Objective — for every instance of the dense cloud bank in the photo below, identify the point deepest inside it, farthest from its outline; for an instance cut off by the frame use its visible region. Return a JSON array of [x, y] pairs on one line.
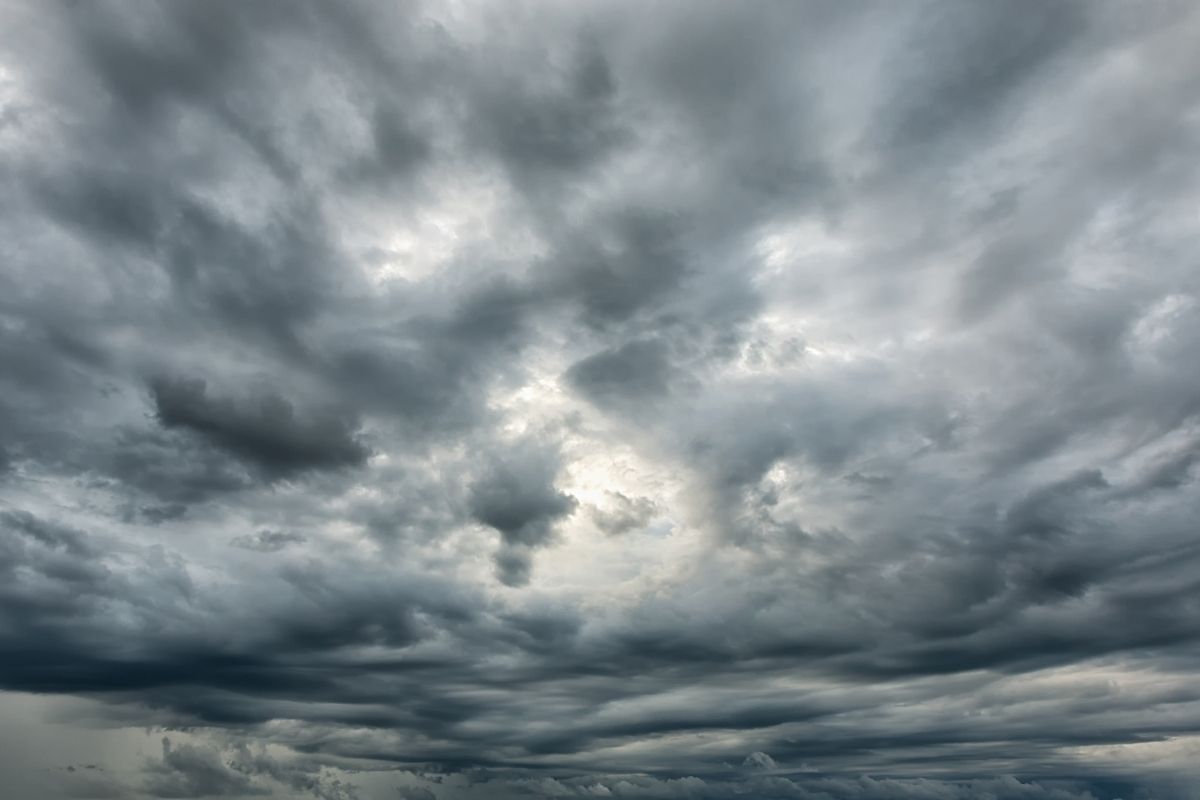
[[672, 400]]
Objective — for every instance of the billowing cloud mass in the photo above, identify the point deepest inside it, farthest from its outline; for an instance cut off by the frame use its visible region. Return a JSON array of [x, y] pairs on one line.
[[464, 400]]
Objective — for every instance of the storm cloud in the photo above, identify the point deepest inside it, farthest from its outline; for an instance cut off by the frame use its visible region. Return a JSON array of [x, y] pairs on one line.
[[602, 399]]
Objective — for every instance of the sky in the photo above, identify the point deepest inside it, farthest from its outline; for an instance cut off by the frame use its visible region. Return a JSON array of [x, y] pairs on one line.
[[663, 399]]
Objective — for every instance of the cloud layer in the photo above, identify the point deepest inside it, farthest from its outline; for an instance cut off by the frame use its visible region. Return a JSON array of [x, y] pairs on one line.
[[679, 400]]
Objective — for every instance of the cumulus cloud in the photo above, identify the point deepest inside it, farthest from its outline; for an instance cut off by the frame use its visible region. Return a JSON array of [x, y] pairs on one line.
[[497, 400], [190, 771]]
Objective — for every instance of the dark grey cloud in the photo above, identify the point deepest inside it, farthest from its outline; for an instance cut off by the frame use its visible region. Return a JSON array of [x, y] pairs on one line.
[[266, 541], [551, 125], [515, 495], [169, 471], [974, 63], [263, 430], [597, 400], [636, 372]]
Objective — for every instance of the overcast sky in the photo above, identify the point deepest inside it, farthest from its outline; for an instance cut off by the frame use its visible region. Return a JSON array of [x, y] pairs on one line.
[[474, 401]]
